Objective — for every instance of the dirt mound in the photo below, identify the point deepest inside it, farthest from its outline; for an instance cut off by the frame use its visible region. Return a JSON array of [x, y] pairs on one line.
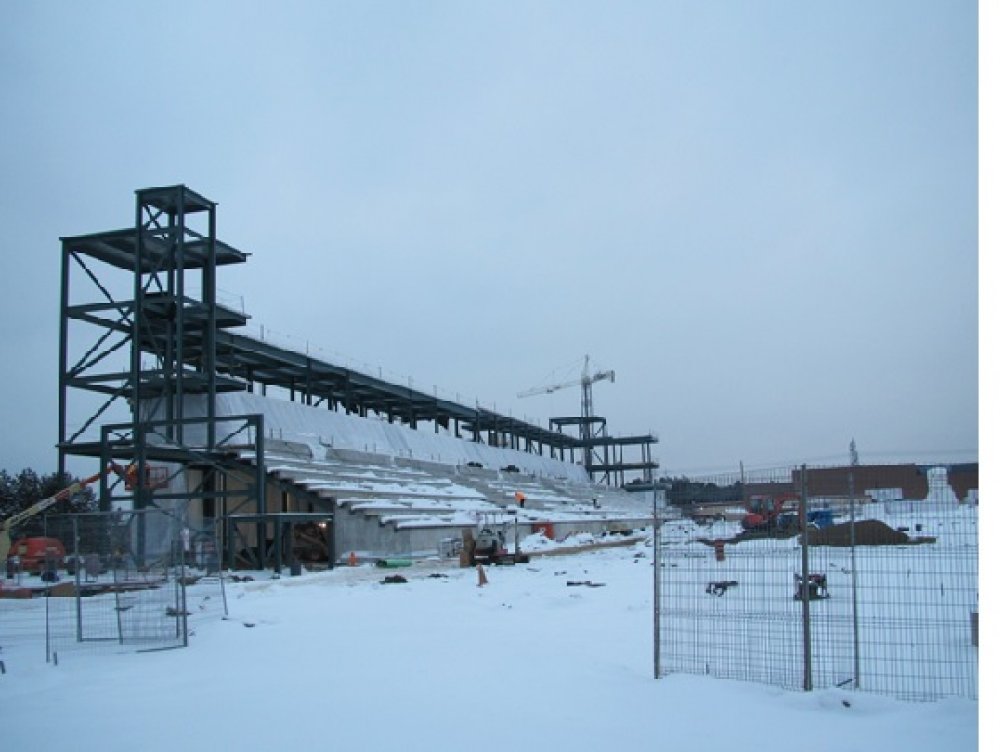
[[866, 533]]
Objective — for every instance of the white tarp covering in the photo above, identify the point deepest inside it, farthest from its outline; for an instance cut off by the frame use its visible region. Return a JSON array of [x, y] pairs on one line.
[[321, 429]]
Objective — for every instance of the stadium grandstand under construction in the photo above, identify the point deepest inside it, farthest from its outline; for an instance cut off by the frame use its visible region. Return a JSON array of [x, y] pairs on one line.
[[257, 441]]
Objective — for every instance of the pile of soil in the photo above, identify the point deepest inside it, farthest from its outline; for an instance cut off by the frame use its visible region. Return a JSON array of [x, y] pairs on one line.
[[866, 533]]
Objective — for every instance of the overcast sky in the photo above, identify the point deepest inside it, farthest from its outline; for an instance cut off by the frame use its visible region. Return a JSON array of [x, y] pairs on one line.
[[762, 216]]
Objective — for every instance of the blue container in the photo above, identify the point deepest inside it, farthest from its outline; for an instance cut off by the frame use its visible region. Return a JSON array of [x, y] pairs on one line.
[[821, 517]]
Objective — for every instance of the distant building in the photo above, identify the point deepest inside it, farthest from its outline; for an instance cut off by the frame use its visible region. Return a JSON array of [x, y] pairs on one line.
[[908, 481], [878, 482]]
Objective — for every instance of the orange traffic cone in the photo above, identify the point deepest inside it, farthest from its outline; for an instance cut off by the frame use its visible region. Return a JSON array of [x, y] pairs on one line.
[[482, 575], [352, 560]]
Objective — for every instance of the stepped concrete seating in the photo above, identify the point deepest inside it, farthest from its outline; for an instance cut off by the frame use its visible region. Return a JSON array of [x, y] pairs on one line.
[[395, 506]]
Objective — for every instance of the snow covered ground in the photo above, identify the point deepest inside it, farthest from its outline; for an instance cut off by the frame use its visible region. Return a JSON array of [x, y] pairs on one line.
[[555, 654]]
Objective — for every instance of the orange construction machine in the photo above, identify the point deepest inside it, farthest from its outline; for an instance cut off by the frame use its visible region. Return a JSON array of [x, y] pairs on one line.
[[155, 477], [771, 512]]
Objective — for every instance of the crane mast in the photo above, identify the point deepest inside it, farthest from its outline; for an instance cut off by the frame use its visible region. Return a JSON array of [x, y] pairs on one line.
[[586, 382]]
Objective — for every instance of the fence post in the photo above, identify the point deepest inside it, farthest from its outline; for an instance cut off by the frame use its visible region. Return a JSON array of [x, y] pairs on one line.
[[804, 585], [656, 586], [854, 575], [185, 543], [49, 657], [217, 532], [76, 575], [115, 563]]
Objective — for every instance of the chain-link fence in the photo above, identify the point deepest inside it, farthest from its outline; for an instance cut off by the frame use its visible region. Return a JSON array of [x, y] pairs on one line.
[[110, 581], [861, 577]]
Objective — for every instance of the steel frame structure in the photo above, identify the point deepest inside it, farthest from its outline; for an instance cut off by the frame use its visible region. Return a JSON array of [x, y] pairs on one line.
[[140, 338], [604, 454], [142, 332]]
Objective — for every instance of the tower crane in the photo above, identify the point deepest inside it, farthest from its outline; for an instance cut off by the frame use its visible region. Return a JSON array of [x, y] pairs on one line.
[[586, 382]]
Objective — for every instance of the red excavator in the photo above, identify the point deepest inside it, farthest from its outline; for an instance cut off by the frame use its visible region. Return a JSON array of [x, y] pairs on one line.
[[771, 512]]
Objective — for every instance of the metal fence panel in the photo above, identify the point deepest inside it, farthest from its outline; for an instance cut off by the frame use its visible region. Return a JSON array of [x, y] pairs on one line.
[[121, 586], [127, 583], [850, 584]]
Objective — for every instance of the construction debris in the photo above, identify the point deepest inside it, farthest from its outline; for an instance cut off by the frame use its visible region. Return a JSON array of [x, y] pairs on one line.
[[393, 563], [816, 590], [720, 588]]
